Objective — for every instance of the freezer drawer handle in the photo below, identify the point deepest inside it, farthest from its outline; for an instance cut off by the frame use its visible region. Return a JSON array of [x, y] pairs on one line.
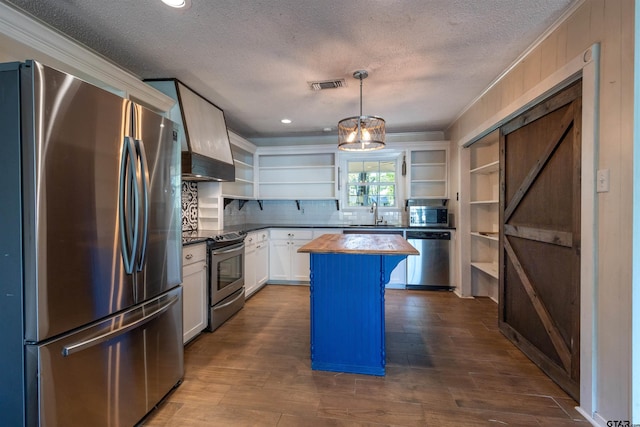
[[137, 322]]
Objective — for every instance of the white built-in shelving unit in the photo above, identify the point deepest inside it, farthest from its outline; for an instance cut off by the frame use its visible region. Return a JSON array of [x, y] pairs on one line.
[[482, 166], [243, 158], [210, 206], [290, 176], [428, 174]]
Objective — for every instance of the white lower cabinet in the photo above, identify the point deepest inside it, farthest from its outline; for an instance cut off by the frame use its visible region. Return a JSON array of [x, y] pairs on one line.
[[286, 265], [194, 290], [262, 259], [256, 265]]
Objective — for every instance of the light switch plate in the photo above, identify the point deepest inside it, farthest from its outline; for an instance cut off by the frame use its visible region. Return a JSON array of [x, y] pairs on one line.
[[602, 181]]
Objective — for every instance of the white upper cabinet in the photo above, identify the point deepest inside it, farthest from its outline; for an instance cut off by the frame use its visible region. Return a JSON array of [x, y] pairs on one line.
[[305, 174], [243, 159], [428, 173]]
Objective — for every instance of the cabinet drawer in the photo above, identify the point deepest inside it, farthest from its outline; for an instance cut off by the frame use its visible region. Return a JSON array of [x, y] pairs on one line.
[[194, 253], [290, 234]]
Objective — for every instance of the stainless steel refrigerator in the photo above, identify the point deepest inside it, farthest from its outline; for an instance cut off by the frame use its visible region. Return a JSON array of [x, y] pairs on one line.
[[90, 253]]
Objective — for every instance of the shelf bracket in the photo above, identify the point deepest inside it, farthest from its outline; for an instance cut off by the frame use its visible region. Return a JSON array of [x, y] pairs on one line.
[[337, 204], [227, 202], [298, 204], [259, 203], [241, 204]]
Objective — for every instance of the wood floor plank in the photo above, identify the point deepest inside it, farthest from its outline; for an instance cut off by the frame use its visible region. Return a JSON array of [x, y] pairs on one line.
[[295, 421], [371, 409], [447, 365], [527, 404]]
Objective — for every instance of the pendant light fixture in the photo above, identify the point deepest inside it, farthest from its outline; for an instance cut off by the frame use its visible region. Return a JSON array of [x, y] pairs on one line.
[[361, 133]]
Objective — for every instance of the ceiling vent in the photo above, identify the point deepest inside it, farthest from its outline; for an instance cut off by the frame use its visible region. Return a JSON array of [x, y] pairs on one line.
[[327, 84]]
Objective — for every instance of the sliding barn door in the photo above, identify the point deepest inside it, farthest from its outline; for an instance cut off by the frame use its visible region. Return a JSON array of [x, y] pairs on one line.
[[540, 235]]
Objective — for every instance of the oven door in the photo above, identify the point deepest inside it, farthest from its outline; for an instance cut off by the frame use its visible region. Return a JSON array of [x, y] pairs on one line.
[[227, 266]]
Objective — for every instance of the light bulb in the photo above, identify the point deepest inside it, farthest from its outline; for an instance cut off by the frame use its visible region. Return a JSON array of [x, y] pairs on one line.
[[175, 3], [366, 136]]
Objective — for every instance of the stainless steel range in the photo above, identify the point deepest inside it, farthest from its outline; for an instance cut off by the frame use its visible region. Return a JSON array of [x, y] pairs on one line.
[[226, 277]]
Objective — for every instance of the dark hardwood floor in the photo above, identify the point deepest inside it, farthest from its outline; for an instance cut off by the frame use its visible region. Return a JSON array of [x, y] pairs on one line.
[[447, 365]]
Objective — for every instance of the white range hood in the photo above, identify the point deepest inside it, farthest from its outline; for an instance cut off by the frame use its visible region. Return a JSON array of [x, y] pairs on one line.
[[206, 150]]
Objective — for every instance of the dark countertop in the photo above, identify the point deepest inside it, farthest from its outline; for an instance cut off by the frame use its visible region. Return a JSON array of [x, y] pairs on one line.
[[199, 236]]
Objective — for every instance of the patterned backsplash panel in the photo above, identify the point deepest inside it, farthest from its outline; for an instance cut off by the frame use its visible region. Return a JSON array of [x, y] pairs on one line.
[[189, 206]]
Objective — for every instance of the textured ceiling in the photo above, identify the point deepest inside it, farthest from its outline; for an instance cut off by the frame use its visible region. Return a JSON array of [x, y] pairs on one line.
[[427, 59]]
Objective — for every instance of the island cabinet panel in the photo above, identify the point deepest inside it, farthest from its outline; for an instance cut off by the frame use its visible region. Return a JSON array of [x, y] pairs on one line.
[[347, 311]]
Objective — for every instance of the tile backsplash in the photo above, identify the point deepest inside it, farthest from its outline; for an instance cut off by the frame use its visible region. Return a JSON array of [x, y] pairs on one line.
[[310, 212], [189, 206]]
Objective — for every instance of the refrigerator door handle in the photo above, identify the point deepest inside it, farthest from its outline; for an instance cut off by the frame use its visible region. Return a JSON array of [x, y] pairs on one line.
[[144, 171], [128, 205], [139, 319]]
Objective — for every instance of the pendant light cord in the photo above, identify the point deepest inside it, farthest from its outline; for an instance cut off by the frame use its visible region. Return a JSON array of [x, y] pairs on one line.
[[360, 96]]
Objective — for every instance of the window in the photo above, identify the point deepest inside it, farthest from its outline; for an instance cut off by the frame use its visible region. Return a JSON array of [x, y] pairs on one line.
[[371, 181]]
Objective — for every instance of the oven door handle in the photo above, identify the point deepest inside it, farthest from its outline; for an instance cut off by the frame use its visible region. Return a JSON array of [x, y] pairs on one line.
[[228, 249], [226, 304]]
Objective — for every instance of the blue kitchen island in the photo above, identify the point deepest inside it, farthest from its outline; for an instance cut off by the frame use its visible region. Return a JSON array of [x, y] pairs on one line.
[[348, 277]]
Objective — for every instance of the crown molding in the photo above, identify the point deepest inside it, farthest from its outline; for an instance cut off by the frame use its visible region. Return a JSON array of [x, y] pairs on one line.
[[50, 45]]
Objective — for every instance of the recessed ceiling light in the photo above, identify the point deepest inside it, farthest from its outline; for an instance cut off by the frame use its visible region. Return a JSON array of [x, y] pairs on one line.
[[178, 4], [285, 121]]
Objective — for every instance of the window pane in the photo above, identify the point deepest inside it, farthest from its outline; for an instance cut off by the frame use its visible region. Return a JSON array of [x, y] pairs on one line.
[[387, 195], [388, 167], [387, 172], [371, 181], [371, 167], [356, 167], [387, 177], [355, 177]]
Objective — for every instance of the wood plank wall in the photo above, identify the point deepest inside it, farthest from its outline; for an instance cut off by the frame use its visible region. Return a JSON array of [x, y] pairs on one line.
[[610, 23]]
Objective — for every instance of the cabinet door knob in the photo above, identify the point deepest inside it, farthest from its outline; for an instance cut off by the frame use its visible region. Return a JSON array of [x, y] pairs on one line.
[[188, 256]]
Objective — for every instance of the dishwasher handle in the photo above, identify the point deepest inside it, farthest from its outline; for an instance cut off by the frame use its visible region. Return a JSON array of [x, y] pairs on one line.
[[429, 235]]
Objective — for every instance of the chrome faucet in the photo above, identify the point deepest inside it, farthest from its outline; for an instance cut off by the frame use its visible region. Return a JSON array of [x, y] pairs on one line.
[[374, 210]]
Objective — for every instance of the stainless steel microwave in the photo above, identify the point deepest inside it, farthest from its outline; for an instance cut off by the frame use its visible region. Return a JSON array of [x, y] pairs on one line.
[[428, 216]]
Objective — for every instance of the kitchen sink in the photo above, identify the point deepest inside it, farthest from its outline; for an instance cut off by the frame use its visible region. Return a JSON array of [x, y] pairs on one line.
[[371, 225]]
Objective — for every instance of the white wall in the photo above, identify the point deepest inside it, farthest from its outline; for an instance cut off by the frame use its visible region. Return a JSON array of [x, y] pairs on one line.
[[610, 23]]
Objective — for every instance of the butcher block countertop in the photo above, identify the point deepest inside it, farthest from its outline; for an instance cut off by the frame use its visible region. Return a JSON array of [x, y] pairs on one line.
[[363, 244]]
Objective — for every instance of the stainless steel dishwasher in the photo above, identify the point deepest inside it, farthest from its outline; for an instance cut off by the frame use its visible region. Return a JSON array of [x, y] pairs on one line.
[[429, 270]]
